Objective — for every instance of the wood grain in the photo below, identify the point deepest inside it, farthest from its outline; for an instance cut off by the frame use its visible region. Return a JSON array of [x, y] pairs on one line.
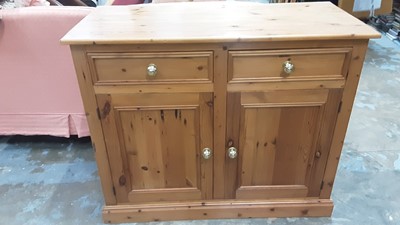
[[257, 149], [219, 104], [218, 209], [225, 22], [277, 139], [205, 127], [294, 143], [232, 136], [142, 131], [272, 192], [96, 132], [122, 88], [339, 134], [132, 67], [309, 64], [114, 147], [254, 85], [324, 140], [220, 85], [164, 195]]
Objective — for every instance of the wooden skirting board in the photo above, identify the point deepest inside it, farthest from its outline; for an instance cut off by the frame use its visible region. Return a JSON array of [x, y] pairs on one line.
[[217, 209]]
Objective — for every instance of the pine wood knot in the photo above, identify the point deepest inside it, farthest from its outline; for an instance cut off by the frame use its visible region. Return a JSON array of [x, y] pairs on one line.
[[122, 180], [106, 110]]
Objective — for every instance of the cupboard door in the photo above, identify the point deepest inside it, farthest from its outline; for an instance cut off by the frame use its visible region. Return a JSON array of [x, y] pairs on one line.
[[155, 141], [282, 139]]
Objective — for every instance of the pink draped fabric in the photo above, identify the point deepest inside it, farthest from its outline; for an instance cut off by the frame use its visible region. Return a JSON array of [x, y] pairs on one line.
[[39, 93]]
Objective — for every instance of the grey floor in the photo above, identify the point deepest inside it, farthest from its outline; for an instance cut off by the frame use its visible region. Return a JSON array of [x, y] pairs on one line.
[[54, 181]]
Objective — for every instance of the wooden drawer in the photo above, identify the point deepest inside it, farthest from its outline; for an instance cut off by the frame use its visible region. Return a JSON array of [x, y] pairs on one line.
[[309, 64], [132, 67]]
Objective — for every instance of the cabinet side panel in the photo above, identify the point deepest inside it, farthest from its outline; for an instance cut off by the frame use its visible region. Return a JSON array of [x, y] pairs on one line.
[[357, 60], [89, 100]]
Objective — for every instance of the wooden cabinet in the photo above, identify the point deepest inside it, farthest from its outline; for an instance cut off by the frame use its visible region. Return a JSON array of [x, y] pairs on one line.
[[237, 119]]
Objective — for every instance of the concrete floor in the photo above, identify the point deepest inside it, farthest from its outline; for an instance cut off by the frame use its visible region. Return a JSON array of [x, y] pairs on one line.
[[54, 180]]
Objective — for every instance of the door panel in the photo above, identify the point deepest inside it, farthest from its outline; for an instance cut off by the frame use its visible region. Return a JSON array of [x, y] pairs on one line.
[[294, 143], [160, 139], [279, 133], [154, 132]]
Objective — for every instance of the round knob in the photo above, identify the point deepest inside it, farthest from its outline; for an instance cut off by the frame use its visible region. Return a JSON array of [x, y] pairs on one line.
[[288, 67], [207, 153], [152, 70], [232, 152]]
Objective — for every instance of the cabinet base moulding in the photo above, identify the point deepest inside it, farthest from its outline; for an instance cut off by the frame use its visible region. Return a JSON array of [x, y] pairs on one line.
[[217, 210]]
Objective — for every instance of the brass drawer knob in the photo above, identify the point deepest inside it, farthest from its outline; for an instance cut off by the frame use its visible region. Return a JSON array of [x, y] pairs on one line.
[[288, 67], [207, 153], [232, 152], [152, 70]]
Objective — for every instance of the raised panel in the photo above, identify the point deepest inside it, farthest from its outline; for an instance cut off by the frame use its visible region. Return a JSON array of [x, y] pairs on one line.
[[159, 140], [153, 151], [295, 144], [278, 137], [276, 144]]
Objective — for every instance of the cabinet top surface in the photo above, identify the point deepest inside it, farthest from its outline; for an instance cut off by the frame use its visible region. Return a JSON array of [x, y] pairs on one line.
[[211, 22]]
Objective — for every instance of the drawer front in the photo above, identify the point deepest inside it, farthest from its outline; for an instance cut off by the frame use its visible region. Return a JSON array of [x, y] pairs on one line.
[[310, 64], [134, 67]]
